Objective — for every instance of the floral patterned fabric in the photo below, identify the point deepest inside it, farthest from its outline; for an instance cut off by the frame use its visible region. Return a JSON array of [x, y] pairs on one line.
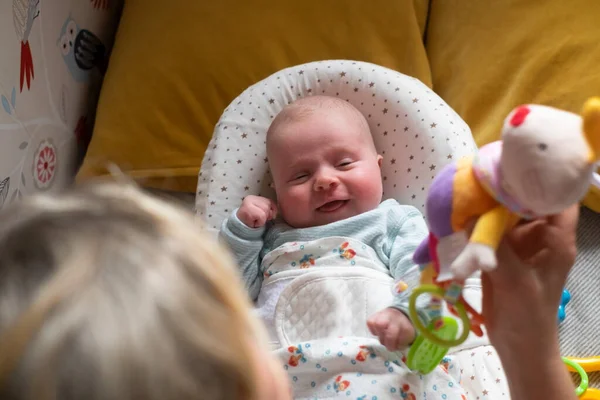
[[332, 251], [53, 55], [362, 369]]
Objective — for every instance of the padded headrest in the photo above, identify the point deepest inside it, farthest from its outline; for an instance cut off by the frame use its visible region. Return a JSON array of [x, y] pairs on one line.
[[414, 129]]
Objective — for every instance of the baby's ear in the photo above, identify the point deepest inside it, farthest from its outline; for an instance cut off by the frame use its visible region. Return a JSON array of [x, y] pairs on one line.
[[379, 160]]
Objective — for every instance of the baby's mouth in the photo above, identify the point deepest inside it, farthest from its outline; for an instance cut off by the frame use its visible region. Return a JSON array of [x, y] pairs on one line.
[[332, 206]]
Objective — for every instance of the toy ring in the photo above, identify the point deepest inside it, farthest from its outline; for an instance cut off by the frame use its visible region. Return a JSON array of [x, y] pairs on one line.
[[591, 394], [429, 335], [582, 374], [589, 364]]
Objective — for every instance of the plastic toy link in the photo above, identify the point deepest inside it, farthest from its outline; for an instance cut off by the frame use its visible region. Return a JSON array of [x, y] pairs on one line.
[[564, 300], [582, 366], [531, 173]]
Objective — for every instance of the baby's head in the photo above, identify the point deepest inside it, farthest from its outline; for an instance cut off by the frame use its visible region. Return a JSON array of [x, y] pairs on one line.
[[323, 160], [107, 293]]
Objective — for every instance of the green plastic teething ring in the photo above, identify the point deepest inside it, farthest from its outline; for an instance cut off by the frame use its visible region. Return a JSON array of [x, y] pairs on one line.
[[414, 316], [583, 386]]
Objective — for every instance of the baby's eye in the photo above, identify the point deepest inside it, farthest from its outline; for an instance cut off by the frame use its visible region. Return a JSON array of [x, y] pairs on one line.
[[345, 163], [299, 177]]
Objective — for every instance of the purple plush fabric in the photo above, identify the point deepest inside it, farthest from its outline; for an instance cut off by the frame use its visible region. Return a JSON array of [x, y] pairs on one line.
[[421, 255], [439, 202]]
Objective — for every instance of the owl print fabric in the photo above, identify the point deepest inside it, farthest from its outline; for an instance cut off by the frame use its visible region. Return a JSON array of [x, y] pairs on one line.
[[52, 58]]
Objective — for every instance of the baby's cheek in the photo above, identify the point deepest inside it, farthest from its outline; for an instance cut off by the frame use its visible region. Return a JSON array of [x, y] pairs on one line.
[[293, 205], [369, 186]]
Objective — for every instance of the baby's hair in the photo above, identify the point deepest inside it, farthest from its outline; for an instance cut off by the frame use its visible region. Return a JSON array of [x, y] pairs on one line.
[[307, 106], [109, 293]]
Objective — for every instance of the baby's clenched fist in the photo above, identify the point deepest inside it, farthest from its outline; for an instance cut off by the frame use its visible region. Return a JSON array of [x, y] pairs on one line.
[[393, 328], [255, 211]]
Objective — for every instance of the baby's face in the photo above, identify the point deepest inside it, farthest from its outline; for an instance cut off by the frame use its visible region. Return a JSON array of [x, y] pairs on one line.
[[325, 169]]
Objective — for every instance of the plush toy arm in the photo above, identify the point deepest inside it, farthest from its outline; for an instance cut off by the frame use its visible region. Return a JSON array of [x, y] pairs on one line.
[[480, 253], [491, 226]]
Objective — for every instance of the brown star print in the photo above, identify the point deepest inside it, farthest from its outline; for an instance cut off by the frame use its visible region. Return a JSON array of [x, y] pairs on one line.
[[224, 189], [212, 203], [405, 128], [385, 133], [246, 188], [485, 392], [342, 74], [393, 161], [252, 119], [397, 89], [300, 72], [415, 100], [411, 157], [244, 135], [371, 84], [271, 101], [449, 157], [239, 161], [433, 125], [385, 110], [431, 167]]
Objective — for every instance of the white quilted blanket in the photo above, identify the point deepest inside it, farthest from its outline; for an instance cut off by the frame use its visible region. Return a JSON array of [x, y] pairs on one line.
[[320, 289]]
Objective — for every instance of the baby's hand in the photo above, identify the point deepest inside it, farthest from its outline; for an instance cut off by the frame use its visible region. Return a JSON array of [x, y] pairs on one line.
[[393, 328], [256, 211]]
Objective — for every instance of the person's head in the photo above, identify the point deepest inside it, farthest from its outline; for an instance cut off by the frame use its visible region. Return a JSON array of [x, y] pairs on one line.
[[323, 161], [108, 293]]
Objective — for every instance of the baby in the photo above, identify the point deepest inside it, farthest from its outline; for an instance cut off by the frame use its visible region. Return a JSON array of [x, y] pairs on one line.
[[327, 177]]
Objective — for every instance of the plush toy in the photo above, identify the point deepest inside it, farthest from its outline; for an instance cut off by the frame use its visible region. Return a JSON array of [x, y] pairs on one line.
[[592, 199], [544, 163]]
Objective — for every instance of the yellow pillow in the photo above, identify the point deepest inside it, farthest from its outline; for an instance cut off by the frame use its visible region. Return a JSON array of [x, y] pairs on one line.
[[175, 66], [487, 57]]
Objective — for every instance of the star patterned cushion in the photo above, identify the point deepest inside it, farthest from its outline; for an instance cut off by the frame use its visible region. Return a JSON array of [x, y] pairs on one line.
[[414, 129]]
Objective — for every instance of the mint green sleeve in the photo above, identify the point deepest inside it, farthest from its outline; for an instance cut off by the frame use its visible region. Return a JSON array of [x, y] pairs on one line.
[[406, 231], [246, 245]]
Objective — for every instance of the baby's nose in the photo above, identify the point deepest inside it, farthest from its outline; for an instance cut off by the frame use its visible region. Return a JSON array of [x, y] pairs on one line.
[[326, 182]]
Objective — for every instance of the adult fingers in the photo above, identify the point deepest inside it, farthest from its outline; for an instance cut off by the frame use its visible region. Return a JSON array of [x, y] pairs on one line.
[[488, 299], [557, 257], [526, 239], [566, 220], [510, 266]]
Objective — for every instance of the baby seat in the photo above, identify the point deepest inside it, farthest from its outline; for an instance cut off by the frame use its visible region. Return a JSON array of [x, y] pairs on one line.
[[414, 130]]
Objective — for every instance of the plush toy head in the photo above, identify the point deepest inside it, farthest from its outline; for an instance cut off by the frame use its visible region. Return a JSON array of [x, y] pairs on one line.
[[548, 156]]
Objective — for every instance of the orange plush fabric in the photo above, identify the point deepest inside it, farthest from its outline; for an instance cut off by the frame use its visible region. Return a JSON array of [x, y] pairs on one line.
[[487, 57], [176, 66]]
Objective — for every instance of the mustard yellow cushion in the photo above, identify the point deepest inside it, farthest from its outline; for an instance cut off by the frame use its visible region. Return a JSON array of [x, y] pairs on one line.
[[487, 57], [176, 65]]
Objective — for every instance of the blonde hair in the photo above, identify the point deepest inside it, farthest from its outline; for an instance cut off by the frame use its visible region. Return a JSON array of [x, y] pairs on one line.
[[108, 293]]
